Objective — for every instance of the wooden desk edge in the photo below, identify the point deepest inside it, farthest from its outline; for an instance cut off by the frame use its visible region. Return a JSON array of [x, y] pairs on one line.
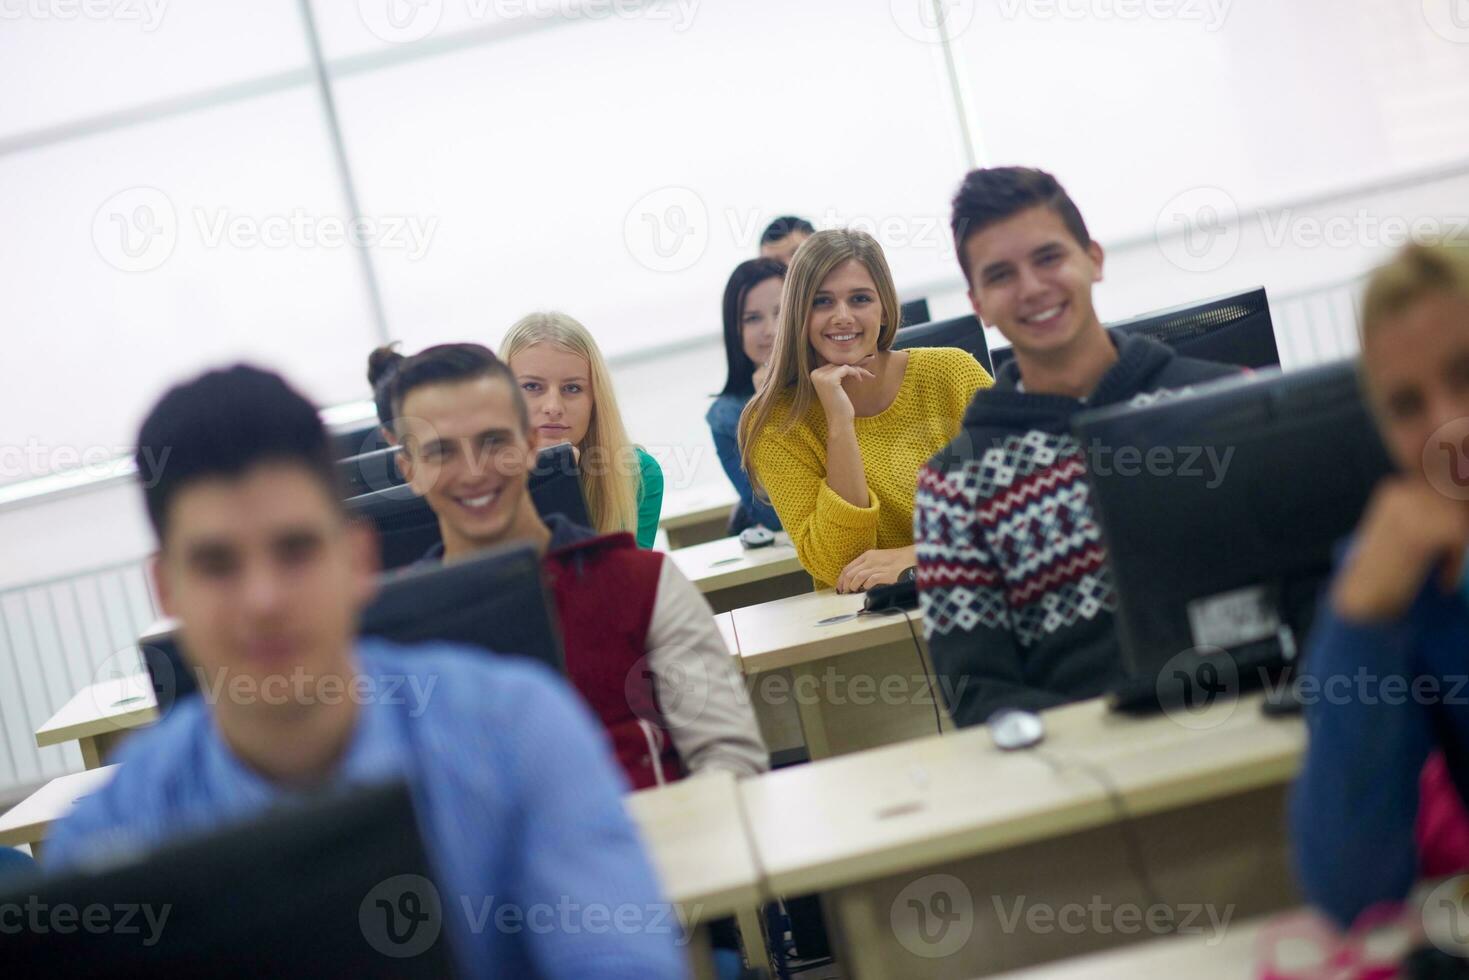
[[112, 724]]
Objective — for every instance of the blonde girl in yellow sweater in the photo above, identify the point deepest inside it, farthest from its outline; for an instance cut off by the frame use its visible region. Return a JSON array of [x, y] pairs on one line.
[[836, 436]]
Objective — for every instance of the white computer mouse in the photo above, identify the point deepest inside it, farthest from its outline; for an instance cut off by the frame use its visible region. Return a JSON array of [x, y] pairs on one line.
[[757, 537], [1012, 728]]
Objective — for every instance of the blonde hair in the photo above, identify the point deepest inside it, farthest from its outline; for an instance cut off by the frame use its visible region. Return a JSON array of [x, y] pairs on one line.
[[609, 460], [1415, 272], [794, 359]]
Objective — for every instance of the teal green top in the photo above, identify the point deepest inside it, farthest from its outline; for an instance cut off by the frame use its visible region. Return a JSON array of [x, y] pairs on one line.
[[650, 498]]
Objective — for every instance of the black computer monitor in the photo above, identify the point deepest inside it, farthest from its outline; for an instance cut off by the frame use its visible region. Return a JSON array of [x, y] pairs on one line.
[[369, 472], [496, 601], [356, 439], [914, 312], [1221, 518], [292, 893], [963, 332], [1234, 329], [407, 527]]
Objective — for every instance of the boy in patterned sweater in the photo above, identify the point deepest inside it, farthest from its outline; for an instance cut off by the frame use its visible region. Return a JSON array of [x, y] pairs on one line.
[[1016, 594]]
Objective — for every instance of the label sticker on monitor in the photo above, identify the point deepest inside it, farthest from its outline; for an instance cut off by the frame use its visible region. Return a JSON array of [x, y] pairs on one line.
[[1231, 619]]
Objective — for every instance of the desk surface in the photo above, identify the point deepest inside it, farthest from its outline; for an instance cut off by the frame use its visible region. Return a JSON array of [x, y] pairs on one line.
[[100, 709], [699, 506], [918, 803], [1231, 958], [785, 632], [694, 833], [726, 563], [29, 820]]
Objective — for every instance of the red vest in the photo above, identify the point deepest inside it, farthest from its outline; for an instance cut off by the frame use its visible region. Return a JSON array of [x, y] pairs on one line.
[[605, 589]]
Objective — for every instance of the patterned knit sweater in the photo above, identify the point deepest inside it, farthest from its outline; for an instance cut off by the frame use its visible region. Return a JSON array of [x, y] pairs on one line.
[[829, 532], [1017, 597]]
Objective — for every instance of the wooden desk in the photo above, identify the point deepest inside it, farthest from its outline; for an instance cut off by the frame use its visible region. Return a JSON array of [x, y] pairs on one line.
[[1232, 958], [694, 517], [99, 715], [698, 844], [732, 576], [853, 682], [31, 819], [883, 832]]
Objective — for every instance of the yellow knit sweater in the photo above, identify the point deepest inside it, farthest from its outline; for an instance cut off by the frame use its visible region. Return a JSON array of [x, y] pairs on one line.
[[828, 531]]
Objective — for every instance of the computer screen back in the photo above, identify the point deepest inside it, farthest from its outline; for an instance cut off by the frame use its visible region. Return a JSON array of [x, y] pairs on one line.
[[1220, 509], [963, 332], [1234, 329], [293, 894]]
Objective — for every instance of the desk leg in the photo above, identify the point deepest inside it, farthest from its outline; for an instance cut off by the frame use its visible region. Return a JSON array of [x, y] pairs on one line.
[[701, 954], [91, 751], [806, 688], [752, 937]]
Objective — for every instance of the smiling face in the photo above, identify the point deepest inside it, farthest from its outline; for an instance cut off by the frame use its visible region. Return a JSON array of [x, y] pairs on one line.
[[266, 577], [846, 315], [759, 319], [557, 386], [1032, 280], [1417, 370], [464, 451]]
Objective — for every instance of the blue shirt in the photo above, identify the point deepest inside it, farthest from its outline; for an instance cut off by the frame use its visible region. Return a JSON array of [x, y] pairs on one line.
[[519, 799], [724, 422], [1378, 698]]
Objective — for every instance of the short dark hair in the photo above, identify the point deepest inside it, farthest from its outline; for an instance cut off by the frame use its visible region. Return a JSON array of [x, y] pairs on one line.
[[221, 424], [987, 197], [783, 226], [382, 364], [450, 363], [740, 379]]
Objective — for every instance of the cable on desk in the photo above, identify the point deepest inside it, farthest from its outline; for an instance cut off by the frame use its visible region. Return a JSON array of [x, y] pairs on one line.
[[1125, 822], [933, 680]]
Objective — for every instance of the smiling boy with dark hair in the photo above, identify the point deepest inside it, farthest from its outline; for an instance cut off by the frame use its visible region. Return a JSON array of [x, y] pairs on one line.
[[1017, 598]]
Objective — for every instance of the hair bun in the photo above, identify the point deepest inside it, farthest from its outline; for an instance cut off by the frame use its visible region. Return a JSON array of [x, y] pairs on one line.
[[382, 362]]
